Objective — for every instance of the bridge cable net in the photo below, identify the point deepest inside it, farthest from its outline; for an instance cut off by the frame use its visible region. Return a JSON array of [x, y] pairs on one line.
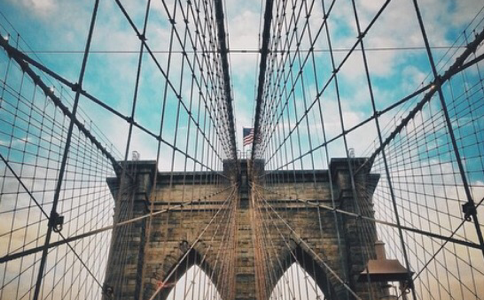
[[316, 209], [74, 209], [357, 155]]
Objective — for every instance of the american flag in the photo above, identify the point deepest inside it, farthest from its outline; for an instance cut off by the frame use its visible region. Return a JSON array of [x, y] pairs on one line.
[[248, 135]]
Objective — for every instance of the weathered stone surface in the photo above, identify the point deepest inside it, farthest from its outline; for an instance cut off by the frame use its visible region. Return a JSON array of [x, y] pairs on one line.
[[320, 238]]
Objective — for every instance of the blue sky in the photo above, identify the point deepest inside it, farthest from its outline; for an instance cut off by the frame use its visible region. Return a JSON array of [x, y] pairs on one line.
[[53, 28], [47, 25]]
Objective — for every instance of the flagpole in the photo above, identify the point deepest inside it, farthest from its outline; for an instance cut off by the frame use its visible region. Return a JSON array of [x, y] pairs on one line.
[[243, 143]]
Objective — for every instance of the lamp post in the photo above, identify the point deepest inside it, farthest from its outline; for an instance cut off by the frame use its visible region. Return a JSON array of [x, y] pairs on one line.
[[385, 270]]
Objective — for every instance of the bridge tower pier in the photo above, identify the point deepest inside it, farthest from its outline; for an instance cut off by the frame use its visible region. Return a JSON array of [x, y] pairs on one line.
[[174, 245]]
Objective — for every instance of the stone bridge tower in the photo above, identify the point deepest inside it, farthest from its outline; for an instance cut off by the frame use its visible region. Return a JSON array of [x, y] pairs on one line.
[[173, 246]]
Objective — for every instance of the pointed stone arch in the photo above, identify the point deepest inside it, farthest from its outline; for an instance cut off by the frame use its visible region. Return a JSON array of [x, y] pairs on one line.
[[297, 254], [297, 284], [192, 257], [194, 284], [149, 257]]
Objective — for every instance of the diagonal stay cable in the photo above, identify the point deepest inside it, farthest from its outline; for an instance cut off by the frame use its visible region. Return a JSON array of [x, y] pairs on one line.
[[459, 66], [337, 69], [67, 240], [213, 71], [359, 216], [329, 141], [455, 68], [316, 256], [55, 99], [162, 71], [195, 242], [41, 248], [454, 71], [23, 60], [67, 149], [441, 247]]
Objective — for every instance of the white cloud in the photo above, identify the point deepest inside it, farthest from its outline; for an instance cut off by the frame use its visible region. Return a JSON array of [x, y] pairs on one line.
[[40, 8], [111, 77]]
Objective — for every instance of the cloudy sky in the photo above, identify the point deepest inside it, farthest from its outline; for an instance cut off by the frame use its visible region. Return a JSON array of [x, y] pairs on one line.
[[54, 32]]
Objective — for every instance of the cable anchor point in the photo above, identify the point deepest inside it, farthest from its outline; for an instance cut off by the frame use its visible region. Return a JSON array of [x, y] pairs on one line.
[[469, 210], [56, 221], [108, 290]]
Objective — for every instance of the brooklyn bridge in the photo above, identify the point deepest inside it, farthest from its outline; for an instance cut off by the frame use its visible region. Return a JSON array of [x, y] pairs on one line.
[[209, 149]]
